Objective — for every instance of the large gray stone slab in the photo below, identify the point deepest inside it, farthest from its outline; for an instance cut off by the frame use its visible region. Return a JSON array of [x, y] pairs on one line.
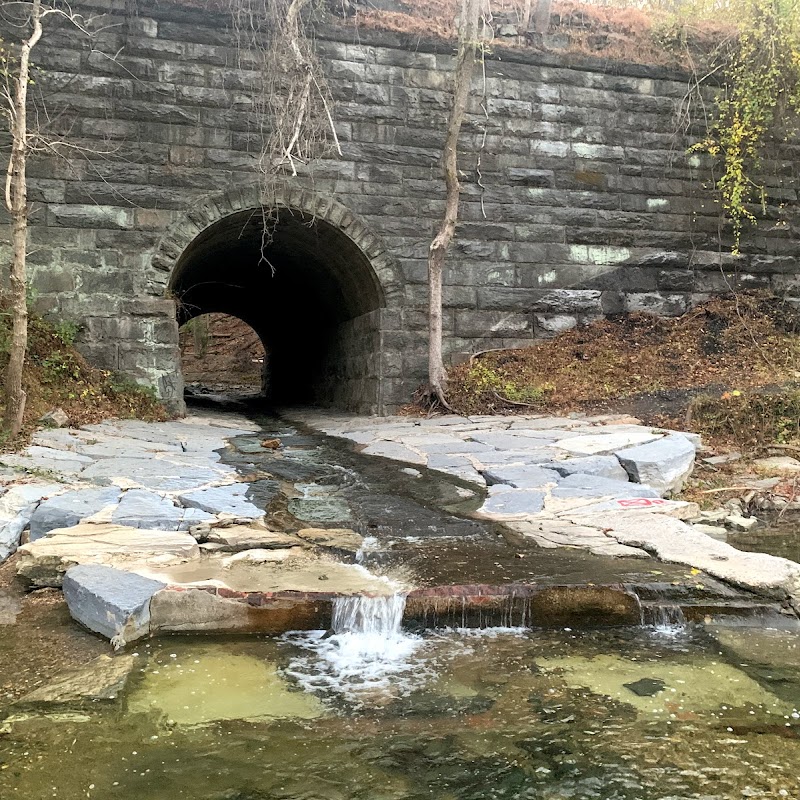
[[16, 508], [110, 601], [395, 451], [664, 464], [103, 678], [521, 477], [603, 466], [139, 508], [68, 509], [579, 485], [534, 455], [230, 499], [158, 474], [608, 442], [512, 503]]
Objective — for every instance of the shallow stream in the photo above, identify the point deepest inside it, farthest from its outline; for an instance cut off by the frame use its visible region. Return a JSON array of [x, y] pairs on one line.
[[375, 712], [511, 714]]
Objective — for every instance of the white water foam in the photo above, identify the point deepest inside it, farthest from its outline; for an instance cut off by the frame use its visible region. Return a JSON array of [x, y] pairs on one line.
[[368, 657]]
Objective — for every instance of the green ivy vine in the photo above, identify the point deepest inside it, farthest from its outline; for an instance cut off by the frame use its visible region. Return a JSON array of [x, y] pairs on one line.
[[759, 102]]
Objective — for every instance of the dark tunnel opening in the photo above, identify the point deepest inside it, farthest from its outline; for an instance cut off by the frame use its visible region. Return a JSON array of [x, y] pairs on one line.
[[307, 290]]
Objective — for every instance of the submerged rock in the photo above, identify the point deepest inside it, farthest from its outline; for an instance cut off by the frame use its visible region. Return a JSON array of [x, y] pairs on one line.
[[103, 678], [109, 601]]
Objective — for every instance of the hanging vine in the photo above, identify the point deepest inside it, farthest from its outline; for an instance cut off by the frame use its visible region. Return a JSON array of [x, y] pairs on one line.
[[293, 106], [759, 104]]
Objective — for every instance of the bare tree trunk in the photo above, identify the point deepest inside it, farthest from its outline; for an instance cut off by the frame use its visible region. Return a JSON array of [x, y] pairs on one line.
[[468, 45], [16, 200], [526, 17], [541, 19]]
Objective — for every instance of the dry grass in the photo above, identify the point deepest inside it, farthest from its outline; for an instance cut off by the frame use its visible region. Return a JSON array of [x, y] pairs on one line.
[[736, 342]]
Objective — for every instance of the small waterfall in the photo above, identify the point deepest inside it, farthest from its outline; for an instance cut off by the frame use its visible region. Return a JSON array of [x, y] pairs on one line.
[[369, 616], [663, 617], [366, 653]]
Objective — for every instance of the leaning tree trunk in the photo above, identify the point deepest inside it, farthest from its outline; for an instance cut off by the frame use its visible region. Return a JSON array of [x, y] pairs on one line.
[[468, 46], [16, 199]]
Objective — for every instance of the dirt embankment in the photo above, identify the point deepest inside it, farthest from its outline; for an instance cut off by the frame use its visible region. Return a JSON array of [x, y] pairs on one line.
[[732, 363]]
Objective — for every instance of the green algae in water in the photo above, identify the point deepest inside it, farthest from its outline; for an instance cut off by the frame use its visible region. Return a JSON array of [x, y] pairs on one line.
[[539, 716], [200, 687]]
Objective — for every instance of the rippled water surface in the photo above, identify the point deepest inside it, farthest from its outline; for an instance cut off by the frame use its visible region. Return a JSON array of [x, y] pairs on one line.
[[502, 714]]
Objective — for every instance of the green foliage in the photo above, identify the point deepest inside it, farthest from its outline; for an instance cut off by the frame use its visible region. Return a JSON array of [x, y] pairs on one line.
[[761, 100], [59, 366], [483, 388], [122, 385], [66, 331], [747, 419]]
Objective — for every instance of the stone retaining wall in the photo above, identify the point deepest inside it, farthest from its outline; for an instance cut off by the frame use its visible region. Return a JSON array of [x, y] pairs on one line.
[[578, 197]]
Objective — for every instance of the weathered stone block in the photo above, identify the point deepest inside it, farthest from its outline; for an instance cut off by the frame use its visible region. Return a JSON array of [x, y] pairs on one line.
[[110, 601]]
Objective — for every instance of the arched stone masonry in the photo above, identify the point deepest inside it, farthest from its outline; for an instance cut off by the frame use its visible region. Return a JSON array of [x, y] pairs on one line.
[[317, 292]]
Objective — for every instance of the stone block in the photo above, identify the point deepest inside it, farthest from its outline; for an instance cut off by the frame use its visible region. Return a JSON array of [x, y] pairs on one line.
[[578, 485], [603, 466], [110, 601], [663, 464], [521, 477], [66, 510], [231, 499]]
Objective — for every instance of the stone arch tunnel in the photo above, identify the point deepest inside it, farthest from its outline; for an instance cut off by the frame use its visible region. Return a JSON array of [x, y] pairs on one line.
[[307, 290], [583, 205]]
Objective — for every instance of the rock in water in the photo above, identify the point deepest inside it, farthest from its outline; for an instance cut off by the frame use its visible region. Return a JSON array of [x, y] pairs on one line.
[[103, 678], [646, 687], [109, 601]]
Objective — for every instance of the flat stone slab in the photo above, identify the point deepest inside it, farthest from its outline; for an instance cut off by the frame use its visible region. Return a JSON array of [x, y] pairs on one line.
[[603, 466], [45, 561], [335, 538], [513, 503], [103, 678], [676, 542], [679, 509], [579, 485], [395, 451], [236, 538], [68, 509], [230, 499], [139, 508], [155, 473], [664, 464], [16, 509], [109, 601], [607, 443], [521, 477]]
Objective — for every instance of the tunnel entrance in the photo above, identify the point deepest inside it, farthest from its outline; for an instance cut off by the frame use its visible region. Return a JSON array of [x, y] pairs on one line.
[[310, 294]]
